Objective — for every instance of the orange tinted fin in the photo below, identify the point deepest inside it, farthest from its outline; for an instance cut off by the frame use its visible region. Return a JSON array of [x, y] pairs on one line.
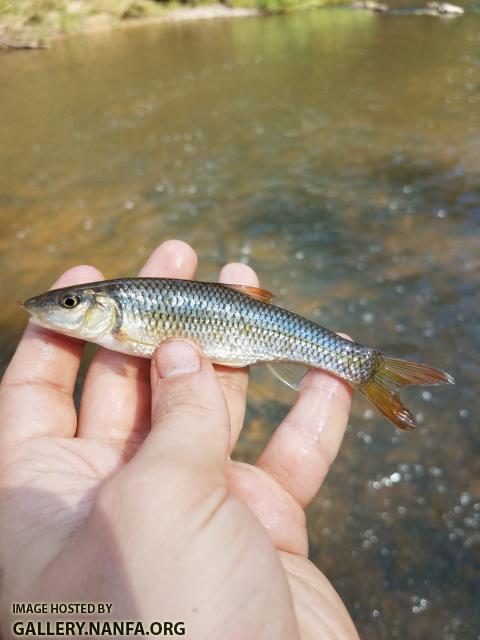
[[254, 292], [391, 377]]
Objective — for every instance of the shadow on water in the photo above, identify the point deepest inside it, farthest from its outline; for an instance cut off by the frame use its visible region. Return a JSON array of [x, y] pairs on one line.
[[336, 152]]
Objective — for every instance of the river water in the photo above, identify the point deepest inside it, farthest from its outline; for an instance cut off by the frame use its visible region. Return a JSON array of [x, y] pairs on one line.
[[338, 153]]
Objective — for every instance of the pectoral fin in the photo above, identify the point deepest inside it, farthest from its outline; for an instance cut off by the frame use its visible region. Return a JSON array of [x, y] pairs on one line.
[[226, 362]]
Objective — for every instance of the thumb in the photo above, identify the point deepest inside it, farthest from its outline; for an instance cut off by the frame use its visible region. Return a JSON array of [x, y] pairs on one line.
[[190, 421]]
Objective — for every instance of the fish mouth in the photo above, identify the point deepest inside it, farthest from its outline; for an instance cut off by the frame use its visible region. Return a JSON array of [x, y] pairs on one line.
[[38, 322], [27, 306], [32, 309]]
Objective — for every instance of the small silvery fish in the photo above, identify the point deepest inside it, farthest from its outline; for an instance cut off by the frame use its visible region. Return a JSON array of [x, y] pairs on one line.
[[234, 325]]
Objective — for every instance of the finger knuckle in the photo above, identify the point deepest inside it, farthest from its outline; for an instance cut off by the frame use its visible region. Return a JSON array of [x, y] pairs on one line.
[[182, 401]]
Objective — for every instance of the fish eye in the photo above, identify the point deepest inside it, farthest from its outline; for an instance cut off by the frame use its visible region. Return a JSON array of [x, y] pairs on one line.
[[70, 301]]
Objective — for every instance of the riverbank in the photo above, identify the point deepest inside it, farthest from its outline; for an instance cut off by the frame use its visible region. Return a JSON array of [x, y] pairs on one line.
[[30, 24]]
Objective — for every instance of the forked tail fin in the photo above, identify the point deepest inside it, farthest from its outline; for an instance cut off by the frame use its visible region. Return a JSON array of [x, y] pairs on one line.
[[391, 377]]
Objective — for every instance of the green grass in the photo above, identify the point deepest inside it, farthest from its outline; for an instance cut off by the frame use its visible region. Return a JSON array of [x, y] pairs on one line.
[[40, 11], [284, 6], [34, 22]]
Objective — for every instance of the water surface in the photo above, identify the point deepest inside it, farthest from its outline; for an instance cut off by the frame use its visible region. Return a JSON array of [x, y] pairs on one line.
[[339, 154]]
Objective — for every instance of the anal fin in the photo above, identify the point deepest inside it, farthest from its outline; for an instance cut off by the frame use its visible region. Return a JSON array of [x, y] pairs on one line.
[[289, 373]]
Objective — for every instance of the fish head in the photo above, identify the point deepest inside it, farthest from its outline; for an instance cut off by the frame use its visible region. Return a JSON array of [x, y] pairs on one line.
[[82, 312]]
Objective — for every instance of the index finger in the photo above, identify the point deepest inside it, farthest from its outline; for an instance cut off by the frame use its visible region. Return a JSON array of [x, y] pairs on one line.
[[36, 393]]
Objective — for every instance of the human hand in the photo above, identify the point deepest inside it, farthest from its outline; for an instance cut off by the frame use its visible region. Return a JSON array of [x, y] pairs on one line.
[[136, 501]]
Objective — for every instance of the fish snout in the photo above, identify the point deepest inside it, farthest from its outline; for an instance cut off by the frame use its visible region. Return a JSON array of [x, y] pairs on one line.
[[28, 305]]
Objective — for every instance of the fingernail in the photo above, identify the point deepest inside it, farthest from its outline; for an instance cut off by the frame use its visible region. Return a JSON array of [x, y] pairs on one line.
[[175, 358]]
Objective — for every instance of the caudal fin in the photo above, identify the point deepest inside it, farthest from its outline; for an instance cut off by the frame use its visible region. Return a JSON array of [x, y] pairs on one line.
[[391, 377]]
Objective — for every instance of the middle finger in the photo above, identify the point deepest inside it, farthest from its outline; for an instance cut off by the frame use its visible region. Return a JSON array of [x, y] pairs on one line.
[[235, 381]]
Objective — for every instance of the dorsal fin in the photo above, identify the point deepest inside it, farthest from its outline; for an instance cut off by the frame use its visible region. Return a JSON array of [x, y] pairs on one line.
[[254, 292]]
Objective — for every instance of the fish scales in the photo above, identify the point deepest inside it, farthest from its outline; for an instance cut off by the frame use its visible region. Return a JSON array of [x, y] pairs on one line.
[[233, 325], [229, 325]]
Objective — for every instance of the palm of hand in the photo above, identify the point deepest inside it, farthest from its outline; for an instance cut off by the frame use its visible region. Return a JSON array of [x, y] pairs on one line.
[[67, 495]]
